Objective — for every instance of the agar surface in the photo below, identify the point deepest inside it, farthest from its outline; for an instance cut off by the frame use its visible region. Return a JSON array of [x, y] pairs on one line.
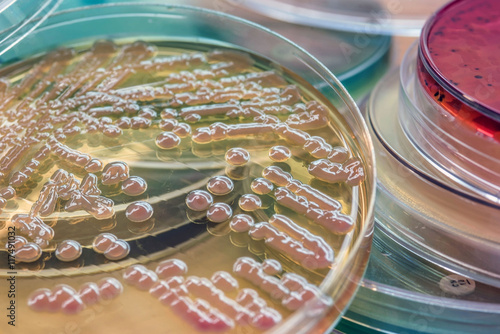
[[66, 119]]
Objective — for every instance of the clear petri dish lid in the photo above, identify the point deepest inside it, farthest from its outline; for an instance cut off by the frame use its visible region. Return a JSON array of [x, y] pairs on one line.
[[458, 50], [418, 295], [404, 17], [19, 17]]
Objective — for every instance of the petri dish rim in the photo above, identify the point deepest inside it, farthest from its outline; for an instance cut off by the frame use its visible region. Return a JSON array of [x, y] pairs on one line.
[[406, 306], [377, 56], [432, 69], [20, 18], [350, 74]]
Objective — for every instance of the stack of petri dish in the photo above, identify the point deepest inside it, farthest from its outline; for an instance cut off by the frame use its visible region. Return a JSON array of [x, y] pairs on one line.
[[435, 267], [456, 124]]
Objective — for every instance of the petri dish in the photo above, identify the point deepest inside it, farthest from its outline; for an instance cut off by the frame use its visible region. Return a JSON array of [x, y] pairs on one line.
[[422, 208], [403, 293], [157, 205], [404, 18], [454, 66], [457, 126]]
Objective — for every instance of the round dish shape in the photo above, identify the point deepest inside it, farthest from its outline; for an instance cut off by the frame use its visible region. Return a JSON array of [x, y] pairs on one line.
[[404, 17], [456, 53], [183, 205], [403, 293], [467, 154], [423, 209]]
